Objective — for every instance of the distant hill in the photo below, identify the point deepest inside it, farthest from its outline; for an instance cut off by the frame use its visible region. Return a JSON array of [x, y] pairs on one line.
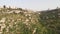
[[51, 19]]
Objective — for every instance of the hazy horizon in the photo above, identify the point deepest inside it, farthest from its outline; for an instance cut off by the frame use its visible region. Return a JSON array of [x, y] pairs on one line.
[[32, 4]]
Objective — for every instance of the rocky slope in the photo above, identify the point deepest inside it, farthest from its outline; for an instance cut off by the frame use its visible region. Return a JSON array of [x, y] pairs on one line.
[[20, 21]]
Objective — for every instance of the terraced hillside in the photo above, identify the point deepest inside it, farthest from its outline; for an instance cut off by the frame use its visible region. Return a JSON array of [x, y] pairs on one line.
[[20, 21]]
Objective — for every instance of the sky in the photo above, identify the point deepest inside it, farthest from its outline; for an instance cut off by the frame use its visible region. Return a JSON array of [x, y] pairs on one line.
[[32, 4]]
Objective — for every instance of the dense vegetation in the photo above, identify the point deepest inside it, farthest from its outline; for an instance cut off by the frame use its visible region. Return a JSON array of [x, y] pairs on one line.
[[20, 21]]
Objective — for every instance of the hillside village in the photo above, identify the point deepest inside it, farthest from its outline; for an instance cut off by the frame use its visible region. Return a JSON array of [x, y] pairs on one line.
[[22, 21]]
